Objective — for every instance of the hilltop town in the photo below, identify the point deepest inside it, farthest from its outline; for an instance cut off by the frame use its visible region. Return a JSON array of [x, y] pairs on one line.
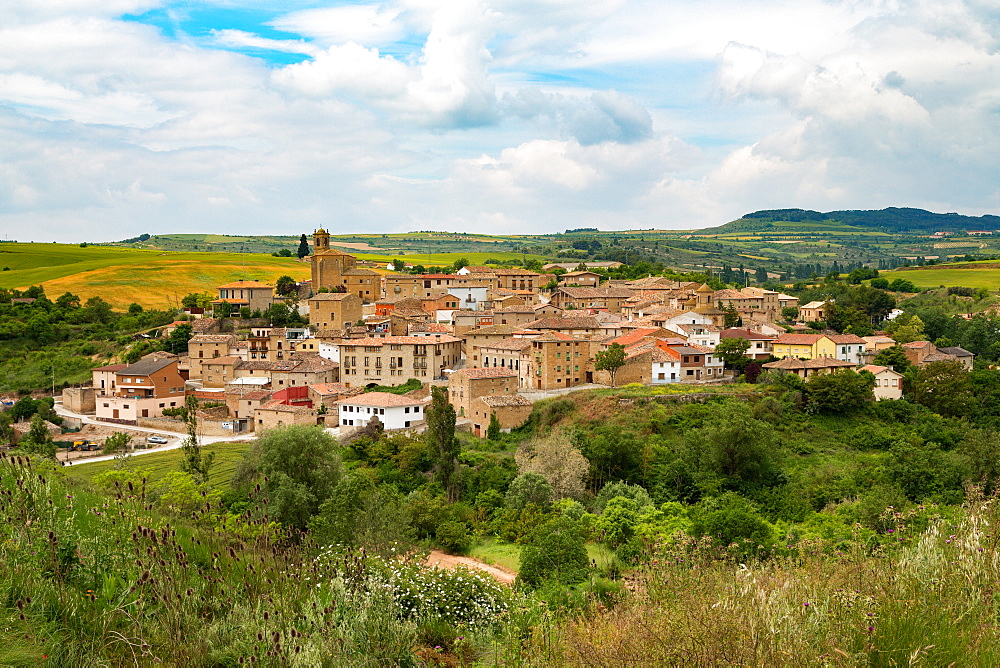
[[499, 338]]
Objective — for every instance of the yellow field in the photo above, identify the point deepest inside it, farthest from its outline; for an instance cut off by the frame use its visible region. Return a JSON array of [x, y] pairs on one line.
[[122, 276], [164, 282]]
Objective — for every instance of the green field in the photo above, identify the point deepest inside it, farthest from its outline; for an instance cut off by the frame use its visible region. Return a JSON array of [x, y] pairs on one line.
[[155, 279], [966, 274], [227, 456], [447, 259]]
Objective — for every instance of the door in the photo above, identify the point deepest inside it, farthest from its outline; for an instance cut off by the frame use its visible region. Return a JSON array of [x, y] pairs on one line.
[[114, 414]]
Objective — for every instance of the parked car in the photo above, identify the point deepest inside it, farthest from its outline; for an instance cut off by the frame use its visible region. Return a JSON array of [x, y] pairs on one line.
[[157, 440]]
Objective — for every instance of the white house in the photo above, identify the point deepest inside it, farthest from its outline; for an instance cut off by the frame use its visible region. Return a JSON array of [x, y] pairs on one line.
[[702, 335], [888, 383], [666, 366], [393, 411], [848, 347], [470, 298]]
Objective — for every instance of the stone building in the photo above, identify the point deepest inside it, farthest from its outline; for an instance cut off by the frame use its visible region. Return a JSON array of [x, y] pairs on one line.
[[334, 310], [392, 360], [466, 385]]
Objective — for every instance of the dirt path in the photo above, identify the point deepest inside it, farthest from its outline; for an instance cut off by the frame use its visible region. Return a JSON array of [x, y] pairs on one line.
[[442, 560]]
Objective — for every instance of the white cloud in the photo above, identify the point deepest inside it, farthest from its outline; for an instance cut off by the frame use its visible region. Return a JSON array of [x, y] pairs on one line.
[[495, 115]]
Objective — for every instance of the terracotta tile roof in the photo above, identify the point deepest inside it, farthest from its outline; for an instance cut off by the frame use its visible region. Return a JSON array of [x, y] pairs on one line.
[[507, 344], [667, 355], [635, 335], [567, 322], [875, 369], [596, 293], [331, 296], [748, 334], [401, 340], [843, 339], [792, 363], [254, 395], [504, 400], [799, 339], [381, 399], [284, 408], [245, 285], [493, 330], [331, 388], [916, 344], [110, 367], [487, 372], [228, 359]]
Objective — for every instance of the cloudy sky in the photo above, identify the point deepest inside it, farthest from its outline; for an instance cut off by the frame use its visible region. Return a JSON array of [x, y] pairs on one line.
[[119, 117]]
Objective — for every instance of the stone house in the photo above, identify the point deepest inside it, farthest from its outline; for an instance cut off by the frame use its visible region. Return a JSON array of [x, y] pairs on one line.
[[512, 411], [466, 385]]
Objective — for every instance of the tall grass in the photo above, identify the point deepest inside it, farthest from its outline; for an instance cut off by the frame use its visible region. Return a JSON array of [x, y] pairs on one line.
[[930, 602]]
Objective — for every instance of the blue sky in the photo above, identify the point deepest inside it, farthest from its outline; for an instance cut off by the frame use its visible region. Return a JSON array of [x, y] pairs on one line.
[[119, 117]]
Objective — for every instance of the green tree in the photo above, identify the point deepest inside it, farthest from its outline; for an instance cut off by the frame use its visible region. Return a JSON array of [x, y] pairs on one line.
[[790, 313], [557, 553], [459, 263], [398, 265], [362, 514], [902, 285], [117, 442], [732, 317], [841, 391], [286, 285], [848, 320], [733, 520], [441, 440], [610, 360], [223, 310], [6, 430], [38, 440], [68, 301], [297, 468], [529, 489], [944, 388], [195, 462], [981, 449], [733, 450], [733, 352], [894, 358], [911, 330], [177, 342], [303, 250], [493, 431]]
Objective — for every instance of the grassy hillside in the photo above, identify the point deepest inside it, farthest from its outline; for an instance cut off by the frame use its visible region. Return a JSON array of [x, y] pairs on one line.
[[967, 274], [121, 276], [158, 464]]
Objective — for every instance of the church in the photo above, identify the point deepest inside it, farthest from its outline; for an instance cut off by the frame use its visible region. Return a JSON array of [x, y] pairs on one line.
[[338, 271]]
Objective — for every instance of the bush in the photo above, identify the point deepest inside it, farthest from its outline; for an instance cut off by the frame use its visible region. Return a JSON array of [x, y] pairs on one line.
[[557, 553], [453, 537]]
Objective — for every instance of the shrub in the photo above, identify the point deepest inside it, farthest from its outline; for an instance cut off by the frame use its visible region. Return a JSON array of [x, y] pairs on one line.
[[453, 537], [557, 553]]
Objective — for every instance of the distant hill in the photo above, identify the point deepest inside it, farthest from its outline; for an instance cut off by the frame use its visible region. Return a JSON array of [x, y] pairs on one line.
[[893, 220]]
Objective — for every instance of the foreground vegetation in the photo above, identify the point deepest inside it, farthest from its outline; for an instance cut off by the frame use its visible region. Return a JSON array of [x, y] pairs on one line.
[[793, 525]]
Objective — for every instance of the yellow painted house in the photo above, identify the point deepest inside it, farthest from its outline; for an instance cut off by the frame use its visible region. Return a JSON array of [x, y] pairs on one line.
[[804, 346], [846, 347]]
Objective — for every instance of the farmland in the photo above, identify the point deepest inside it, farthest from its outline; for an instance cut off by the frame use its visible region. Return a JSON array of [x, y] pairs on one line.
[[158, 464], [121, 276], [967, 274]]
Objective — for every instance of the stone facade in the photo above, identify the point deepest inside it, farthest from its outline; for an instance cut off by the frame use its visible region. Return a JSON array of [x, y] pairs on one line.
[[466, 385], [334, 310]]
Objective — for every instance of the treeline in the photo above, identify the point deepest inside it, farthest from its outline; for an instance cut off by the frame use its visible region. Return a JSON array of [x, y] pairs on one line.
[[45, 342]]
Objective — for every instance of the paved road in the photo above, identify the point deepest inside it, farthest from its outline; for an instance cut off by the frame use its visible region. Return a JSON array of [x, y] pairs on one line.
[[174, 438]]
